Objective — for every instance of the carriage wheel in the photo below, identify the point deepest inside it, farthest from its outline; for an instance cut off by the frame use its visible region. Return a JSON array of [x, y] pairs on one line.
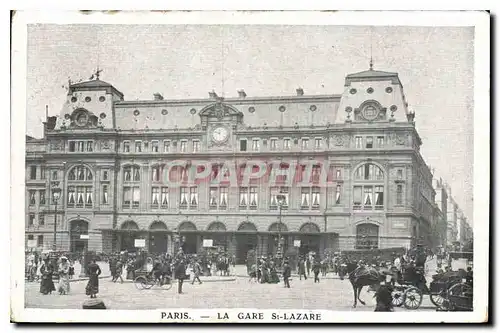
[[459, 289], [398, 297], [438, 299], [139, 282], [412, 298]]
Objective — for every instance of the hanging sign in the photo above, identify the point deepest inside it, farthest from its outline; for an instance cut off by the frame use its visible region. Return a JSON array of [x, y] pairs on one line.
[[140, 243], [84, 236], [296, 243], [31, 242], [208, 242]]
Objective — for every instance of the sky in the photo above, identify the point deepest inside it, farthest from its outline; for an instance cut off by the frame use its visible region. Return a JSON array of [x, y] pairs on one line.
[[435, 66]]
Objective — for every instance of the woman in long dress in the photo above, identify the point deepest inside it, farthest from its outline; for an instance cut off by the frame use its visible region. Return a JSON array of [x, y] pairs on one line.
[[46, 283], [63, 271], [93, 285]]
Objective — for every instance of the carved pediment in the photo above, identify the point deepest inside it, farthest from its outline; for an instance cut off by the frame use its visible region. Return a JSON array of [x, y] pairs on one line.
[[220, 110], [80, 118]]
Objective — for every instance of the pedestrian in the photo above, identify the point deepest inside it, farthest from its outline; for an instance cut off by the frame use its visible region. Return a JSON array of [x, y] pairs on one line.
[[308, 266], [71, 270], [316, 268], [93, 271], [118, 271], [196, 271], [287, 272], [180, 274], [63, 287], [302, 269], [46, 283]]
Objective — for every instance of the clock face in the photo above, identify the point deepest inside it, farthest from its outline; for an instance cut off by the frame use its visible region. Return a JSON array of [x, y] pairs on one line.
[[220, 134]]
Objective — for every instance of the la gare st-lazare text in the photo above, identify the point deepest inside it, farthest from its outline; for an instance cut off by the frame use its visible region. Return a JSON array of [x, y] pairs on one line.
[[274, 316]]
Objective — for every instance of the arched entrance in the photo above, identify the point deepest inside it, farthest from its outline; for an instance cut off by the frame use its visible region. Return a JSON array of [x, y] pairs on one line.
[[276, 231], [310, 238], [78, 228], [158, 237], [189, 238], [246, 240], [367, 236], [217, 232], [129, 232]]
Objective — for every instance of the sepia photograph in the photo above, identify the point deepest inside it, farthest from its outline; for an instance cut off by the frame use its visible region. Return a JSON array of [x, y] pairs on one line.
[[250, 167]]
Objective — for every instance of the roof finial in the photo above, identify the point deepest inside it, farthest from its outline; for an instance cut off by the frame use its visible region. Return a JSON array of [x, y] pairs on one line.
[[371, 63], [371, 49], [97, 73]]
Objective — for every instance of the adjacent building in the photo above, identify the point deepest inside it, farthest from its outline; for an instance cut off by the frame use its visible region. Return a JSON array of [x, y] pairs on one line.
[[343, 171], [441, 211]]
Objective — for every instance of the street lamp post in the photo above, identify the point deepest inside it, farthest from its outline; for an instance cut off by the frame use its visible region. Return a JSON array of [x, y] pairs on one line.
[[281, 201], [56, 194]]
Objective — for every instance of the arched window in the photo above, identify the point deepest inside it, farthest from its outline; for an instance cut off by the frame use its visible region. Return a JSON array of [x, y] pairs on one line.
[[80, 187], [368, 190]]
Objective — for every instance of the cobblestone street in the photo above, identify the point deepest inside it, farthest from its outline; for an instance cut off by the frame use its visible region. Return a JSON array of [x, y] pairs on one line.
[[330, 294]]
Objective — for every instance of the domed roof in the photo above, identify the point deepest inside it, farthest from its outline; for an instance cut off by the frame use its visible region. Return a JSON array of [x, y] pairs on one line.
[[371, 74], [94, 85]]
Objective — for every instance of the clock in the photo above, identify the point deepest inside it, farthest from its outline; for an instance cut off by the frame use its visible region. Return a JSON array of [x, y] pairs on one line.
[[220, 134]]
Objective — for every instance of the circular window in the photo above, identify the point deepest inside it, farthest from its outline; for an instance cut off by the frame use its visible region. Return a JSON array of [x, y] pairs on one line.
[[251, 109], [164, 112], [67, 116], [393, 108], [369, 90], [348, 109], [87, 99], [312, 108], [193, 111], [388, 90], [102, 99], [102, 115], [353, 91], [370, 112], [282, 108], [81, 118], [136, 112], [73, 99]]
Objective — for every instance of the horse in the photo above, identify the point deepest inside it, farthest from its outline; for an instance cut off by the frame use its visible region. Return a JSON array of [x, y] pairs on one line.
[[363, 276]]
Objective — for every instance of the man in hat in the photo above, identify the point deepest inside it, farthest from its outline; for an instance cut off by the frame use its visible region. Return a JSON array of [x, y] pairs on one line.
[[196, 271], [287, 272], [302, 269], [316, 267], [63, 271]]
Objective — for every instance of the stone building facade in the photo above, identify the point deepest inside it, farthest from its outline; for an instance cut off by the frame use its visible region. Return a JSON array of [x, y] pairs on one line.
[[110, 158]]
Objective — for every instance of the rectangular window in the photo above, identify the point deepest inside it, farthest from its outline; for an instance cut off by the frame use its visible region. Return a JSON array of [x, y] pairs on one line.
[[136, 197], [305, 198], [213, 198], [42, 172], [90, 146], [286, 144], [33, 172], [54, 175], [399, 195], [400, 174], [138, 146], [273, 144], [71, 196], [317, 143], [338, 173], [126, 146], [357, 197], [380, 141], [40, 241], [32, 197], [41, 219], [155, 173], [193, 198], [146, 146], [72, 146], [105, 194], [105, 175], [255, 145], [196, 146], [223, 198], [164, 197], [369, 142], [183, 146], [30, 237], [338, 194], [243, 145], [88, 196], [243, 198], [315, 198], [127, 197], [166, 146], [305, 143], [368, 197], [379, 197], [154, 146], [183, 204], [254, 198], [359, 142], [155, 197], [80, 196], [42, 197], [31, 220], [274, 202], [81, 146]]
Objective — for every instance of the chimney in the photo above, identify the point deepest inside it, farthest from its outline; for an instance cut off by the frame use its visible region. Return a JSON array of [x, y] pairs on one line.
[[158, 97], [212, 94], [300, 91], [242, 93]]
